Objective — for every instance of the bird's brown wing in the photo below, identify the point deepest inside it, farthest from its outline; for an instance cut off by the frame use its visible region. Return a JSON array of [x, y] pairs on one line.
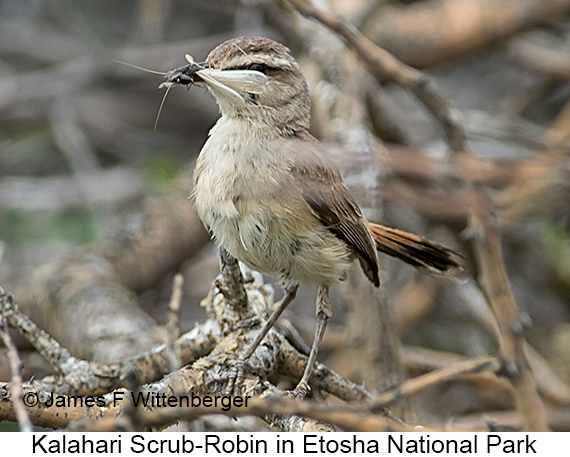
[[330, 201]]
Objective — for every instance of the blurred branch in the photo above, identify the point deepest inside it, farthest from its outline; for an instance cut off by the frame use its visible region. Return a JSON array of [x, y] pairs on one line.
[[550, 385], [385, 67], [512, 324], [433, 32]]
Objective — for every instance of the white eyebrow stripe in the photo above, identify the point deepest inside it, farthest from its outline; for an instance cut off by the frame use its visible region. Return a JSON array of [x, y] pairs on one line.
[[242, 61], [279, 63]]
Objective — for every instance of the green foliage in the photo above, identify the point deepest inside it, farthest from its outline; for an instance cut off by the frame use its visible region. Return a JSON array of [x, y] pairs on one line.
[[161, 170], [76, 226]]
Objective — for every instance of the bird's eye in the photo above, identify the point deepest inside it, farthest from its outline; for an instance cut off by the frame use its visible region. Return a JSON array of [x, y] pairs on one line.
[[257, 67]]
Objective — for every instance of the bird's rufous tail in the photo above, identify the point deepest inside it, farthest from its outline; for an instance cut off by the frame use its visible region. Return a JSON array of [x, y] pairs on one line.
[[417, 251]]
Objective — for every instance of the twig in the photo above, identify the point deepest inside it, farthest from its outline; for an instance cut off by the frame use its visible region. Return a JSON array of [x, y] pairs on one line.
[[413, 386], [512, 324], [292, 363], [173, 324], [58, 357], [385, 67], [15, 386]]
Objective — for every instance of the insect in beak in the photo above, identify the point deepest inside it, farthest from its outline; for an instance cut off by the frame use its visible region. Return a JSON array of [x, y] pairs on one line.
[[179, 76], [184, 75]]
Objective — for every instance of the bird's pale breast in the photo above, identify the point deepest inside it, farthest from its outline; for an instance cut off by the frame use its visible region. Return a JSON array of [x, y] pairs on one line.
[[250, 204]]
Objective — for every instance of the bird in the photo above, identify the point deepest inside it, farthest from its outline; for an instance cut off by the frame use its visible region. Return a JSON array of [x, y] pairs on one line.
[[271, 196]]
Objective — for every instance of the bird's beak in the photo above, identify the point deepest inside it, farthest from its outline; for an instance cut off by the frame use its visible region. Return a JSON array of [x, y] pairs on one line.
[[230, 83], [248, 81]]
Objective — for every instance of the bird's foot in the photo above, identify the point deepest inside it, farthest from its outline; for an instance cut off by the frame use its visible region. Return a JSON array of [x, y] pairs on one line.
[[300, 392], [235, 379]]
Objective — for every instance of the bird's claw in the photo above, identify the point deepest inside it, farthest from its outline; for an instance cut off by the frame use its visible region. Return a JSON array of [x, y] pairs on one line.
[[300, 392], [235, 379]]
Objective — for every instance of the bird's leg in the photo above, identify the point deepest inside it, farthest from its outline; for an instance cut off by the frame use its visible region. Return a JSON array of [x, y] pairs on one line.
[[238, 379], [324, 311], [288, 298]]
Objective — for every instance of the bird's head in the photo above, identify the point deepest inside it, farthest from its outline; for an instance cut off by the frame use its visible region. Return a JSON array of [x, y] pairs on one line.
[[253, 78]]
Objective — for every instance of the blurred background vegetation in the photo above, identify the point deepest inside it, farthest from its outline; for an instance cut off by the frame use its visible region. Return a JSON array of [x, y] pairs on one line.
[[78, 149]]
